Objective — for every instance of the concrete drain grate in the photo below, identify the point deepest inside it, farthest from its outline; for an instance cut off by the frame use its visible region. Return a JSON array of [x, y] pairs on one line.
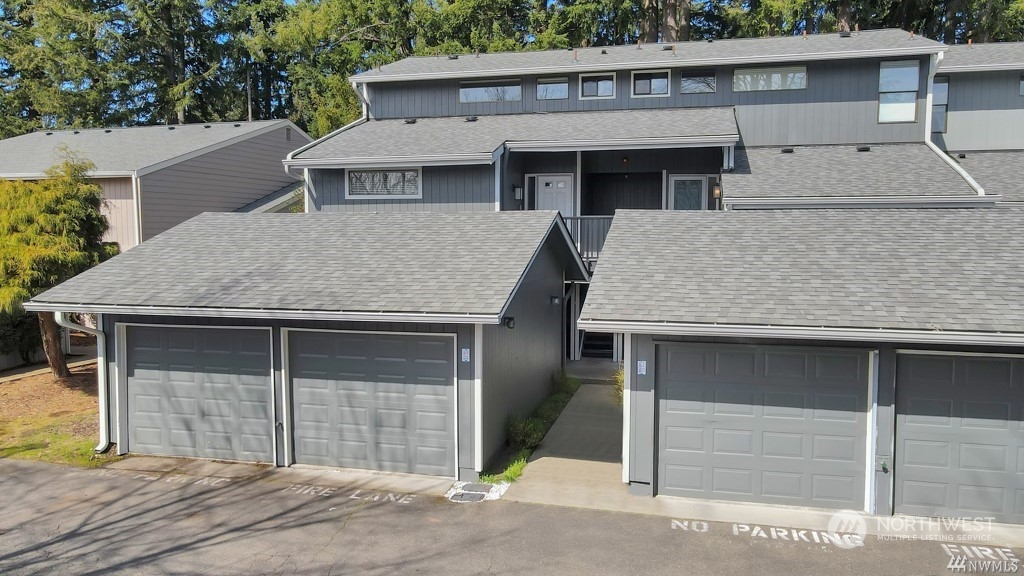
[[475, 491]]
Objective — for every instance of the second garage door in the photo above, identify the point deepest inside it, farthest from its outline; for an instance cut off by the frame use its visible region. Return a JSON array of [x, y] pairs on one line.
[[374, 401], [763, 424], [960, 436]]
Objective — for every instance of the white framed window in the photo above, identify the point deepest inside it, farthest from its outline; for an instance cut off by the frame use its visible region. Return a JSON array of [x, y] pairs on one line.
[[940, 103], [595, 86], [398, 183], [653, 84], [1022, 85], [490, 91], [766, 79], [552, 89], [697, 83], [898, 83]]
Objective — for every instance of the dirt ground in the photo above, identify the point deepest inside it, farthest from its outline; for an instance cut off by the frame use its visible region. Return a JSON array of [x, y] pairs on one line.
[[43, 418]]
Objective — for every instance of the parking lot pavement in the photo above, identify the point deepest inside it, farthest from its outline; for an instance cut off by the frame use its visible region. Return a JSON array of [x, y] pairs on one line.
[[57, 520]]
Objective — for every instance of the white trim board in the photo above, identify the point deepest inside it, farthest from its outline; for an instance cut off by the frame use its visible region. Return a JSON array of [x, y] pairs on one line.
[[478, 399], [650, 143], [627, 385], [806, 333]]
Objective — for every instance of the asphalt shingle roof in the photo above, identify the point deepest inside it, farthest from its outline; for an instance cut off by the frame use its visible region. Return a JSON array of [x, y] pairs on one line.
[[118, 149], [465, 263], [924, 269], [696, 53], [999, 172], [841, 171], [454, 135], [1001, 54]]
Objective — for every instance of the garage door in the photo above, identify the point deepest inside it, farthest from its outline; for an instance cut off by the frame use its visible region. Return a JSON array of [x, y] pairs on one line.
[[960, 437], [200, 392], [374, 401], [763, 424]]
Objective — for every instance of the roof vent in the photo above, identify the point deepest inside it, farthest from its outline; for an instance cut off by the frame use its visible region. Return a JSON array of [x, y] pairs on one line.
[[471, 118], [667, 48], [237, 125], [863, 148], [961, 156], [107, 131], [206, 125], [453, 56], [170, 127], [787, 150], [710, 40], [49, 133], [844, 34], [410, 120], [77, 132], [603, 51]]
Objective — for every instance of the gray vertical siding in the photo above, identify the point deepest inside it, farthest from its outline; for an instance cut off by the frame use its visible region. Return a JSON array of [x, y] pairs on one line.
[[220, 181], [522, 163], [840, 104], [985, 112], [119, 208], [464, 339], [445, 189], [518, 363]]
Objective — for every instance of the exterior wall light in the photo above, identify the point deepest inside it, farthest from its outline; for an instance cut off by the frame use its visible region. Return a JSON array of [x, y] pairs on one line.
[[509, 322], [556, 301], [716, 191]]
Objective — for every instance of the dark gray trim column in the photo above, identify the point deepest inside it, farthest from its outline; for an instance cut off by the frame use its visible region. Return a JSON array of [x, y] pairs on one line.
[[642, 417], [467, 414], [885, 423]]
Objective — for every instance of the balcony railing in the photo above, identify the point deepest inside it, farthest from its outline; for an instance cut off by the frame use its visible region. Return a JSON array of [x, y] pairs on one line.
[[589, 233]]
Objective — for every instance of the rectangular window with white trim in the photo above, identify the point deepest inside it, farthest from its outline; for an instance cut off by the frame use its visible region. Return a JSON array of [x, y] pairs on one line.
[[552, 89], [380, 184], [697, 83], [490, 91], [898, 83], [769, 79]]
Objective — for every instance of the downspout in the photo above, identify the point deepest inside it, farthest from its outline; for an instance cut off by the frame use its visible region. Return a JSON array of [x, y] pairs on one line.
[[928, 133], [102, 390], [137, 212]]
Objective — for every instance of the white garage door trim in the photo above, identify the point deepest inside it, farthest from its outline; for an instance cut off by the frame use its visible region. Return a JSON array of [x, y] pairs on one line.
[[121, 376], [289, 433]]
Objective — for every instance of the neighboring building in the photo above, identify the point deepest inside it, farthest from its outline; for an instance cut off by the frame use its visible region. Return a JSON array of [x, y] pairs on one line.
[[978, 114], [155, 177], [405, 347], [848, 359]]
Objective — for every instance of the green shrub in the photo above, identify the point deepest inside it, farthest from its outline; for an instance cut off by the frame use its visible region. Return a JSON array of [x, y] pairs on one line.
[[620, 384], [19, 332], [515, 468], [525, 433], [562, 383]]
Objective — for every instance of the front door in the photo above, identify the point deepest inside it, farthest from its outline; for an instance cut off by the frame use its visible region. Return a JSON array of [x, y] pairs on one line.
[[555, 192], [687, 193]]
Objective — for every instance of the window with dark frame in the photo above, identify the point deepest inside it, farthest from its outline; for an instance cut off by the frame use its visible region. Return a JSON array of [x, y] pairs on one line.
[[697, 83], [490, 91], [552, 89], [651, 83], [940, 103], [597, 86]]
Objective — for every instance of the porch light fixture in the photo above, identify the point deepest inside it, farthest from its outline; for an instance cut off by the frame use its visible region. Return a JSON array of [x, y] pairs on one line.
[[556, 301], [625, 159], [716, 191], [509, 322]]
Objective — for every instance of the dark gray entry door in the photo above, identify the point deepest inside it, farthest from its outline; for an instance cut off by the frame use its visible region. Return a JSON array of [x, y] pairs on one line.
[[374, 401], [200, 392], [960, 437], [763, 424]]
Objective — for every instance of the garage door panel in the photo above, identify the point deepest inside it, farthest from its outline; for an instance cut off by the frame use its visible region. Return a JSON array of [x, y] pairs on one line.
[[191, 394], [769, 436], [959, 439], [375, 401]]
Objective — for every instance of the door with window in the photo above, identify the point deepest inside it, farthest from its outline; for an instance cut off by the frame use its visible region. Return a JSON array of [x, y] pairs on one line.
[[555, 192], [687, 193]]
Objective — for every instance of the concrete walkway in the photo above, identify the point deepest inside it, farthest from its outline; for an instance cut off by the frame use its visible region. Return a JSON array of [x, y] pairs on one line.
[[579, 463], [36, 370], [592, 370]]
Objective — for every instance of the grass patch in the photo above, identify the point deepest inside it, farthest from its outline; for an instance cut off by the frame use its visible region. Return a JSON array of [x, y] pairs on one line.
[[526, 434], [620, 384], [51, 420]]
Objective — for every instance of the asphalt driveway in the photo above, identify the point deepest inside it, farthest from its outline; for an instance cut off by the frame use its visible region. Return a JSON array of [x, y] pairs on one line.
[[56, 520]]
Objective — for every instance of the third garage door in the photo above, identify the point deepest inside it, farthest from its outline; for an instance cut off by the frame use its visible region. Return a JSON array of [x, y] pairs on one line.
[[374, 401], [762, 424], [959, 436]]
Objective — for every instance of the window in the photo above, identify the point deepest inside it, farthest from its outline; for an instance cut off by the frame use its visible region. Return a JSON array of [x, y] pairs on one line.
[[697, 83], [597, 86], [940, 100], [552, 89], [760, 79], [404, 183], [897, 91], [1022, 85], [647, 84], [491, 91]]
